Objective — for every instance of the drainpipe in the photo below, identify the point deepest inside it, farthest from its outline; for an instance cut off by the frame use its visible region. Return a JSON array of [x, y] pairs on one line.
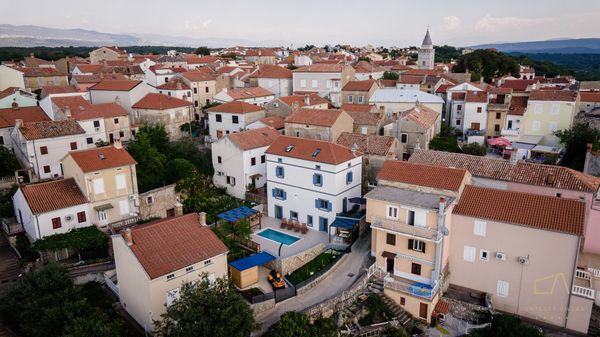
[[441, 231], [572, 280]]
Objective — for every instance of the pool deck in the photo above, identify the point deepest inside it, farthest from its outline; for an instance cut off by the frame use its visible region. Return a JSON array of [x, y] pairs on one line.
[[310, 239]]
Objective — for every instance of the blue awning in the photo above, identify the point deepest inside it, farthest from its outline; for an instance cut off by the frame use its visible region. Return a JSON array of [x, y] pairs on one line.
[[344, 223], [237, 213], [252, 261]]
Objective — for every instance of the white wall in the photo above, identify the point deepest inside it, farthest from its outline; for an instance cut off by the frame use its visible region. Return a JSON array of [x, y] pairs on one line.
[[278, 86], [10, 77], [227, 125], [127, 98], [472, 116]]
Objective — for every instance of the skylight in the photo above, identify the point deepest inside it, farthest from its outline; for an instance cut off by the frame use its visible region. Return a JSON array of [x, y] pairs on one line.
[[316, 153], [289, 148]]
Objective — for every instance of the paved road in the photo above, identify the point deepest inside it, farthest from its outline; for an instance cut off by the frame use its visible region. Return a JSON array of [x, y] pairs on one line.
[[331, 286]]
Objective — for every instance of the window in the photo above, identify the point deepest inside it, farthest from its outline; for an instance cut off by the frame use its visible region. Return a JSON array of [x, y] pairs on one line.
[[116, 121], [323, 205], [361, 99], [98, 186], [403, 138], [196, 103], [459, 107], [43, 149], [364, 130], [278, 193], [484, 255], [279, 172], [555, 109], [297, 133], [392, 212], [315, 83], [479, 109], [206, 89], [349, 177], [415, 269], [189, 269], [303, 83], [502, 289], [121, 181], [402, 301], [498, 115], [479, 228], [81, 217], [329, 82], [1, 140], [235, 119], [46, 168], [536, 125], [390, 239], [309, 220], [458, 122], [293, 215], [263, 159], [537, 109], [150, 199], [89, 140], [350, 99], [218, 118], [124, 207], [253, 161], [552, 127], [317, 179], [231, 180], [219, 160], [170, 277], [416, 245], [56, 224], [410, 218], [195, 90], [96, 124], [469, 253], [121, 134], [497, 127], [207, 262]]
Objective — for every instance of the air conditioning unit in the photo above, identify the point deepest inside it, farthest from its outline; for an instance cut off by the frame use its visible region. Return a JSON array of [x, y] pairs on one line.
[[69, 217], [523, 259], [97, 129], [133, 197], [500, 256]]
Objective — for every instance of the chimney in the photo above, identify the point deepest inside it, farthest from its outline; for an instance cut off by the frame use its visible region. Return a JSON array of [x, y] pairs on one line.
[[117, 144], [295, 106], [67, 112], [202, 219], [128, 237], [15, 105], [18, 123], [118, 100], [550, 179], [382, 109], [306, 100], [178, 208]]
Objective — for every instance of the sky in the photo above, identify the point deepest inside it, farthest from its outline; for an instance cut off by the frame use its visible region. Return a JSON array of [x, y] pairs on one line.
[[376, 22]]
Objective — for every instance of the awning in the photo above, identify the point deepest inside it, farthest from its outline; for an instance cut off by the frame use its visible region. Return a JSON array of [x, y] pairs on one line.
[[547, 149], [257, 176], [344, 223], [529, 139], [522, 146], [358, 200], [103, 207], [252, 261], [498, 141], [388, 255], [237, 213]]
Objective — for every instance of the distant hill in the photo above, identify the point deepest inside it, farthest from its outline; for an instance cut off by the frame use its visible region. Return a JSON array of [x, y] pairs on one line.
[[564, 46], [34, 36]]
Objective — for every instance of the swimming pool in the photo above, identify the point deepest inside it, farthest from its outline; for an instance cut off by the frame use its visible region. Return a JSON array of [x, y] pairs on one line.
[[278, 236]]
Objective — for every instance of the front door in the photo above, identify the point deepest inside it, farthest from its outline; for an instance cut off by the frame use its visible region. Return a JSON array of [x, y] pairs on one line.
[[323, 222], [278, 212], [389, 264], [345, 205], [423, 310], [103, 217], [475, 126], [510, 125], [111, 138]]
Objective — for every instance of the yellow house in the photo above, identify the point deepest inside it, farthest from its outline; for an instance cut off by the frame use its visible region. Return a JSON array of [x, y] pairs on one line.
[[321, 124], [153, 261], [107, 177], [409, 212], [549, 111]]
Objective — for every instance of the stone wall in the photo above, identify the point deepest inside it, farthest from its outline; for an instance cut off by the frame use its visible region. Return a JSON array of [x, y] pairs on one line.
[[316, 281], [328, 307], [262, 306], [163, 199], [289, 264]]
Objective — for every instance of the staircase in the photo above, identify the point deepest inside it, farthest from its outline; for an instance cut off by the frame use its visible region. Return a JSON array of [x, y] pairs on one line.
[[594, 327], [404, 318], [10, 266]]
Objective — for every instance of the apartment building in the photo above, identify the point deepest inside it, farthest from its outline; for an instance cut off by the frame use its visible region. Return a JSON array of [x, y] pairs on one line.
[[284, 106], [549, 111], [232, 117], [8, 118], [327, 80], [124, 92], [359, 92], [273, 78]]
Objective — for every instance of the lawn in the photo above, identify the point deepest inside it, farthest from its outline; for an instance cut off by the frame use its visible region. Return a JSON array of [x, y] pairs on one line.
[[317, 264]]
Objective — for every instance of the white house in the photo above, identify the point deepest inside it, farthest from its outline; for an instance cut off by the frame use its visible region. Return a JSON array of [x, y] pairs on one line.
[[398, 100], [239, 160], [311, 180], [10, 77], [232, 117], [125, 92], [275, 79], [51, 207], [177, 88], [8, 118], [456, 99], [473, 116], [18, 96], [256, 95], [89, 117]]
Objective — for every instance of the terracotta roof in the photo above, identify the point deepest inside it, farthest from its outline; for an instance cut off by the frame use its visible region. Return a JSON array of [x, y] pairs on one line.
[[358, 107], [255, 138], [411, 79], [443, 88], [321, 68], [442, 307], [117, 63], [553, 95], [111, 110], [532, 210], [421, 115], [423, 72], [521, 172], [276, 122], [366, 67], [52, 195], [116, 49], [115, 85], [171, 244], [27, 114], [359, 85], [518, 104], [368, 144], [174, 84], [303, 148], [500, 91], [198, 76], [388, 83], [36, 72], [590, 96], [156, 101], [8, 91], [310, 116], [313, 99], [438, 177], [227, 69], [95, 78], [59, 89], [101, 158], [235, 107], [90, 68], [78, 106], [518, 85], [201, 59], [271, 71], [476, 97], [259, 52], [245, 93], [50, 129], [366, 118]]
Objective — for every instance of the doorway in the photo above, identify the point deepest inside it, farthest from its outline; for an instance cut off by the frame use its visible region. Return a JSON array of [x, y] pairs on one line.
[[323, 222], [423, 310], [103, 217], [389, 265], [278, 212]]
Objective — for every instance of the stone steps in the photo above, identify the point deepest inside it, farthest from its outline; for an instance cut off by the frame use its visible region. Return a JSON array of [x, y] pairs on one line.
[[594, 327], [403, 317]]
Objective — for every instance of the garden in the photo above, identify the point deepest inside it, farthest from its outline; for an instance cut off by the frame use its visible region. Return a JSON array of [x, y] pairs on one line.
[[322, 262]]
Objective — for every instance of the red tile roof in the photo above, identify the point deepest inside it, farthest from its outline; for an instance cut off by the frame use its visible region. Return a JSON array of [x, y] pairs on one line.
[[171, 244], [52, 195], [8, 91], [423, 72], [518, 85], [50, 129], [78, 106], [27, 114], [518, 104], [36, 72], [476, 96], [358, 107], [245, 93], [235, 107], [422, 116], [90, 68], [198, 76], [442, 89], [59, 89], [438, 177], [115, 85], [388, 83], [156, 101], [276, 122], [321, 68], [302, 148], [255, 138], [359, 85], [116, 49], [532, 210], [367, 144], [271, 71], [366, 118], [101, 158], [313, 99], [95, 78], [590, 96], [111, 110], [174, 84], [309, 116], [411, 79], [553, 95]]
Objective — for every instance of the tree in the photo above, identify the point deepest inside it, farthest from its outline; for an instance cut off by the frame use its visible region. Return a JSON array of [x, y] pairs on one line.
[[206, 309], [202, 51], [291, 324], [189, 150], [441, 143], [101, 143], [8, 162], [6, 204], [575, 141], [150, 161], [390, 75], [475, 149], [177, 169], [486, 63], [291, 66], [193, 188], [157, 135]]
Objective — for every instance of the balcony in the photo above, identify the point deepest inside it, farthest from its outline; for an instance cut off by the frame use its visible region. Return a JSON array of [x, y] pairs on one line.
[[510, 132], [403, 285], [404, 228], [583, 285]]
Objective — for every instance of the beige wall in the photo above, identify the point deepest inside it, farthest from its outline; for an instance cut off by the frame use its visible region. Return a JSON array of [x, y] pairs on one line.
[[163, 200], [33, 83], [171, 119], [115, 129], [102, 54], [412, 303], [344, 123], [366, 95]]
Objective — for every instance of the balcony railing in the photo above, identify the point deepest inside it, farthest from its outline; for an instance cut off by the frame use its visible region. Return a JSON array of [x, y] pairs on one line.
[[497, 106], [510, 132], [403, 285], [584, 292], [401, 227]]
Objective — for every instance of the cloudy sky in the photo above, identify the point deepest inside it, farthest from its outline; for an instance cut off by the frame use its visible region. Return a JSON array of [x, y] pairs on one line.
[[388, 22]]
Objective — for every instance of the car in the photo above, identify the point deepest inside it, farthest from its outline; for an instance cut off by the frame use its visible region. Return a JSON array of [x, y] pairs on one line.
[[276, 280]]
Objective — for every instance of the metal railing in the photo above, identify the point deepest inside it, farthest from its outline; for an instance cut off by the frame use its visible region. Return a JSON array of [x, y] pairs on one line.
[[595, 272], [583, 274], [394, 283], [401, 227]]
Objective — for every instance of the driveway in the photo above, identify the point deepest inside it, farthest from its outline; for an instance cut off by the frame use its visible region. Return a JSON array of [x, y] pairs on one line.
[[332, 285]]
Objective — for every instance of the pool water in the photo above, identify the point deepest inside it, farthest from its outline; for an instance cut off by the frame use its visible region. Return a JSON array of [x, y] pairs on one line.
[[278, 236]]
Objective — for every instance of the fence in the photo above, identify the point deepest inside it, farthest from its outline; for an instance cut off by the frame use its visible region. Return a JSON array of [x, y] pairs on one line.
[[260, 298], [117, 226], [320, 273]]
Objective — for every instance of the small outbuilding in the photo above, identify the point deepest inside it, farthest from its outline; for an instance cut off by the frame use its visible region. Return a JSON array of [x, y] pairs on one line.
[[244, 272]]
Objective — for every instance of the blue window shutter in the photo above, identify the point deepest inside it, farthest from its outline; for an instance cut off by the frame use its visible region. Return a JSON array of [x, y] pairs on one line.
[[314, 179], [316, 203], [283, 195], [348, 177], [329, 206], [282, 172], [273, 191]]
